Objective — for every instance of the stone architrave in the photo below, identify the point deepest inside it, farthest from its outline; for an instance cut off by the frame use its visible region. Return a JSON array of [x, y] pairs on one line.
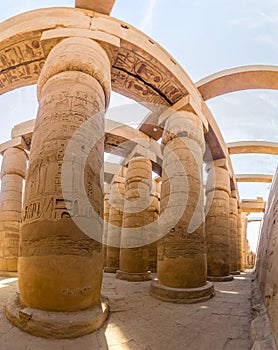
[[134, 254], [13, 173], [114, 229], [182, 261], [218, 192], [60, 266], [233, 217]]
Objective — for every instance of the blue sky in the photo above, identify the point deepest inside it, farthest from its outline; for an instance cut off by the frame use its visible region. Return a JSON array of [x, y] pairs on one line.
[[204, 37]]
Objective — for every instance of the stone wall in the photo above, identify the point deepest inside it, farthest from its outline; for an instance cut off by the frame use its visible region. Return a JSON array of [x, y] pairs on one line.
[[267, 261]]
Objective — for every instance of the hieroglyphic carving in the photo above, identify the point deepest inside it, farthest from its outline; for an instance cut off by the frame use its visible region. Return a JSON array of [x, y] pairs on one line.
[[21, 61], [28, 72], [68, 111], [60, 245], [139, 64], [134, 88], [25, 51]]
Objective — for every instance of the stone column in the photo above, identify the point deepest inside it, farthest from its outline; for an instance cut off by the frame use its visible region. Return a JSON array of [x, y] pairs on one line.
[[13, 173], [153, 215], [243, 241], [106, 209], [218, 192], [233, 236], [240, 267], [60, 266], [134, 255], [114, 229], [182, 261]]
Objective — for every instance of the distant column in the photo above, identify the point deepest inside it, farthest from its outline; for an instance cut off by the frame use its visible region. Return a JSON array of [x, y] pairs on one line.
[[182, 260], [240, 265], [233, 235], [244, 224], [134, 255], [218, 192], [153, 215], [106, 209], [114, 229], [60, 266], [13, 173]]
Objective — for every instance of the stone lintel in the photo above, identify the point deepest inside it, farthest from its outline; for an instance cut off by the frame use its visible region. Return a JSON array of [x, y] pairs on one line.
[[253, 205], [23, 129], [187, 103], [254, 178], [101, 6]]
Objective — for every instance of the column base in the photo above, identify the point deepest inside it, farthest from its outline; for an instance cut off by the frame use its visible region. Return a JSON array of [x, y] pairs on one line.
[[110, 269], [8, 274], [134, 277], [58, 325], [220, 278], [181, 295], [234, 273]]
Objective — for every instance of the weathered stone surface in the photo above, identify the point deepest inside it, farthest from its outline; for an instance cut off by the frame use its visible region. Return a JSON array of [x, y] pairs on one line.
[[267, 256], [114, 229], [181, 252], [60, 267], [13, 173], [218, 192], [233, 235], [134, 254]]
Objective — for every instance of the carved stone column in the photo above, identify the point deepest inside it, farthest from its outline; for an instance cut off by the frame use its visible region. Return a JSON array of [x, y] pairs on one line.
[[106, 209], [243, 241], [153, 215], [218, 192], [60, 266], [13, 173], [134, 255], [233, 236], [240, 266], [114, 229], [182, 261]]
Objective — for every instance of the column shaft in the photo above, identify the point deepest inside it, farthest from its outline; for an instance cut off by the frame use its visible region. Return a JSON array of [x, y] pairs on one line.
[[181, 268], [13, 173], [239, 239], [134, 254], [153, 215], [106, 209], [114, 229], [233, 236], [60, 266], [217, 221]]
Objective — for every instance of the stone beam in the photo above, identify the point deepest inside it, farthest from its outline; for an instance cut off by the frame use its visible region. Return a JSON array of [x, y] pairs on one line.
[[253, 147], [237, 79], [254, 178], [101, 6], [253, 205]]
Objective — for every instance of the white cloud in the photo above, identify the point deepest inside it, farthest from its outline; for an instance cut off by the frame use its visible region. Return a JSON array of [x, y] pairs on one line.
[[147, 21]]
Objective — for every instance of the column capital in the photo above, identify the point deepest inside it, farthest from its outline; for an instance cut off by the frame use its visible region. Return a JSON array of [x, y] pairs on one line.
[[78, 54], [219, 163]]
